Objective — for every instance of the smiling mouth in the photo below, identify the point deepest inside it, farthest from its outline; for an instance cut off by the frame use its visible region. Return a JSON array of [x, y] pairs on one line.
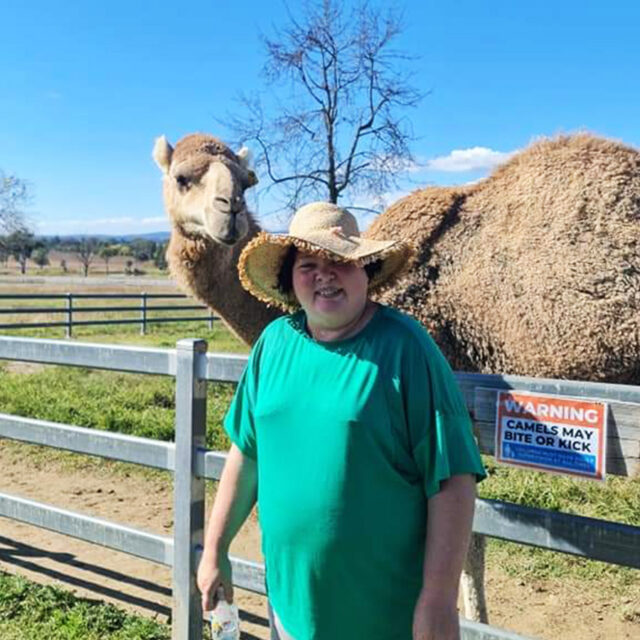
[[329, 293]]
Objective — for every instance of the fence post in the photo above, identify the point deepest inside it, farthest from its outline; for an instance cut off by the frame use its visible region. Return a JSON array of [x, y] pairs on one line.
[[143, 313], [188, 496], [69, 315], [472, 581], [210, 320]]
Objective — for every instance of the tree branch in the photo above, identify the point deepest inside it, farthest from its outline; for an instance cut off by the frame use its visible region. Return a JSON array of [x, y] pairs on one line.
[[337, 85]]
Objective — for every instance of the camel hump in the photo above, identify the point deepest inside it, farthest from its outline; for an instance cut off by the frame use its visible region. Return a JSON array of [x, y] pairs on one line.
[[419, 215], [578, 149], [578, 181]]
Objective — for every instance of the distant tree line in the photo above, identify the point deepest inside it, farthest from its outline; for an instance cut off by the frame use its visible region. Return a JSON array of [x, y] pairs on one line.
[[18, 241], [22, 245]]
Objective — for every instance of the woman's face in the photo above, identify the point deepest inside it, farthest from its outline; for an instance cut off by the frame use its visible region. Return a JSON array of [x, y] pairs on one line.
[[332, 294]]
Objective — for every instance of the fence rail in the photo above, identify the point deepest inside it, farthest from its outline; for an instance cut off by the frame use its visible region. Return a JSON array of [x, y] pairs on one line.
[[71, 311], [191, 463]]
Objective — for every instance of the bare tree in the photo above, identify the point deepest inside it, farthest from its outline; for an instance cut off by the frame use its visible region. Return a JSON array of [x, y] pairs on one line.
[[86, 250], [14, 195], [338, 130]]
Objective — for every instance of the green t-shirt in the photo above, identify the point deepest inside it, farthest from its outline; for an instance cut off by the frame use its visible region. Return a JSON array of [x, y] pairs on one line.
[[351, 438]]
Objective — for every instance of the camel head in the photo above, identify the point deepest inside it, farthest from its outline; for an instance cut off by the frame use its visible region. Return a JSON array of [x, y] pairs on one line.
[[203, 186]]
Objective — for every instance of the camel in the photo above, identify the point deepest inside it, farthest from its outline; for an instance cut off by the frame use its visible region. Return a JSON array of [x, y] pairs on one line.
[[535, 270], [203, 188]]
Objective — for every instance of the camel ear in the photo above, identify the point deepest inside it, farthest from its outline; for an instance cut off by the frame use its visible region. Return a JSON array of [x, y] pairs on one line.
[[162, 152], [244, 155]]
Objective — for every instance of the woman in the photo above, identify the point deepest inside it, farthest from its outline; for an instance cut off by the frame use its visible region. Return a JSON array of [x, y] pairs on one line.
[[352, 421]]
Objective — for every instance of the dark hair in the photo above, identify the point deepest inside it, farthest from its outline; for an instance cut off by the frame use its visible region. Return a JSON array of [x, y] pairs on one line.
[[372, 268], [285, 274]]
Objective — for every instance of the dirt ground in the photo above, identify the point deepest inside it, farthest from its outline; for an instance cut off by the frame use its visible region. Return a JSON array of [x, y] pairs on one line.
[[540, 609]]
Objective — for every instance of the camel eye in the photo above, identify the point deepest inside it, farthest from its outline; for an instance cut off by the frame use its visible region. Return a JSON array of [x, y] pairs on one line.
[[183, 181]]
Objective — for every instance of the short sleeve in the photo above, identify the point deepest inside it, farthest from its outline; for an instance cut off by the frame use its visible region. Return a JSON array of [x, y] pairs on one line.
[[239, 421], [440, 429]]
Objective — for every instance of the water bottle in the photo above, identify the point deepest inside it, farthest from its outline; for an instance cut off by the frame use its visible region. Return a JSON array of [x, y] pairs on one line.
[[225, 622]]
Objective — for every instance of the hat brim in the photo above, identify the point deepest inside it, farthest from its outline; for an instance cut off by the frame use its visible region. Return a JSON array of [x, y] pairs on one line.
[[260, 262]]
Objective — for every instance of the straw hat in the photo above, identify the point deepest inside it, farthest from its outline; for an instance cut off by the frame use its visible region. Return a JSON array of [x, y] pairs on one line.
[[323, 229]]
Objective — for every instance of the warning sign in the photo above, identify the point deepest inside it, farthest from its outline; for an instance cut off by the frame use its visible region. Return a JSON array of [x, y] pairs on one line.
[[552, 433]]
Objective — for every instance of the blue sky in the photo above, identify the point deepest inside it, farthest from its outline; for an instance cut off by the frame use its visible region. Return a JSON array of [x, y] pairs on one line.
[[86, 86]]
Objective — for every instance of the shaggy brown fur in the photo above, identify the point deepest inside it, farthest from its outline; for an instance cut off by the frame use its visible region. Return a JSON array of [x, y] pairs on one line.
[[202, 148], [208, 271], [533, 271]]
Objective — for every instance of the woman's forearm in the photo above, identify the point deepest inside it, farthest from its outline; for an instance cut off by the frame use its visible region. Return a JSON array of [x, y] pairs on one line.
[[448, 531], [235, 498], [450, 516]]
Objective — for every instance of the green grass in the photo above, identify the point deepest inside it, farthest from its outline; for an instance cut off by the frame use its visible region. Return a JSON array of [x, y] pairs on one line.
[[133, 404], [125, 403], [527, 563], [165, 335], [157, 335], [29, 610], [617, 500]]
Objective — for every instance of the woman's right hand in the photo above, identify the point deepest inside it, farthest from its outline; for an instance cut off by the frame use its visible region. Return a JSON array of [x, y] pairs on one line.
[[213, 573]]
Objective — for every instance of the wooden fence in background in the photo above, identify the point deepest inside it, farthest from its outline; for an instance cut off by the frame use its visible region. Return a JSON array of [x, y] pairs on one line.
[[70, 312]]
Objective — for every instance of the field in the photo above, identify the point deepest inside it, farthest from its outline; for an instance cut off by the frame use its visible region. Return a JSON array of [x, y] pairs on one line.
[[98, 267], [160, 334], [533, 592]]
